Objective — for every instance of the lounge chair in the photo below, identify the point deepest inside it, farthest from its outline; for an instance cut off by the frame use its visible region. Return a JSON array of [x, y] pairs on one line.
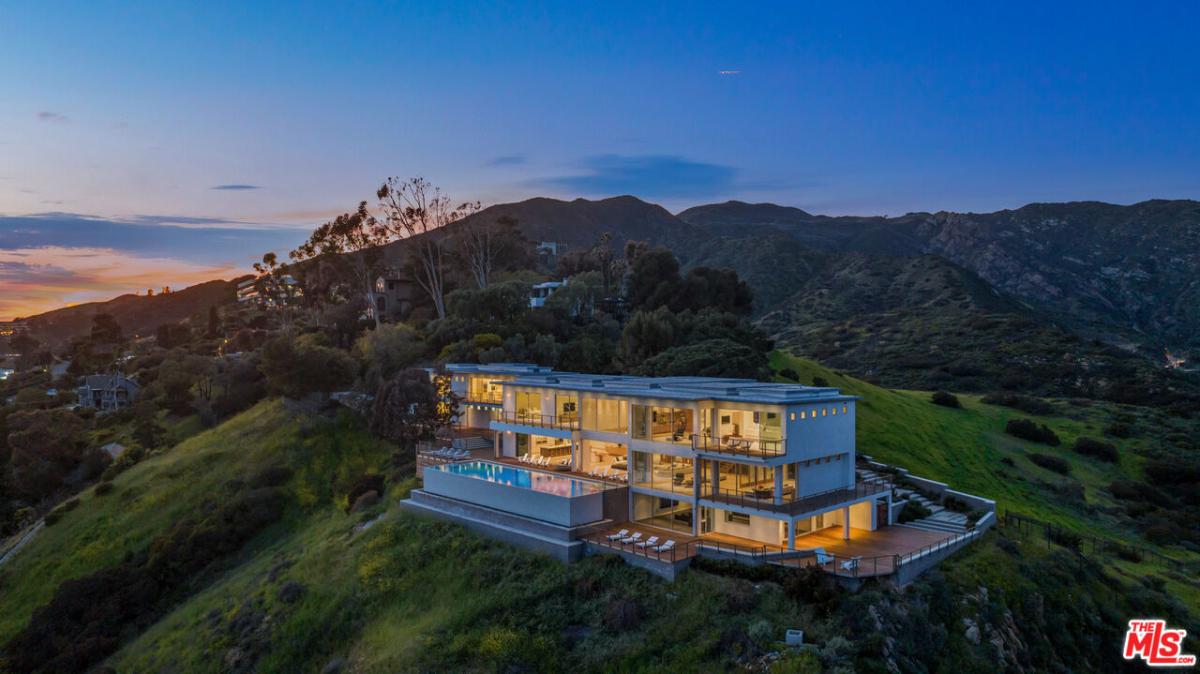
[[603, 474], [822, 556], [653, 540], [665, 547], [850, 564], [620, 534], [634, 538], [524, 458]]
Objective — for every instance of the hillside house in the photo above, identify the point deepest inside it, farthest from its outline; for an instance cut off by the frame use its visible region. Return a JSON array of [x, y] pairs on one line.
[[395, 294], [107, 392]]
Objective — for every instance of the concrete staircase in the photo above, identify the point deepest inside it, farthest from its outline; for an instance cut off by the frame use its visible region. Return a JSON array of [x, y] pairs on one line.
[[871, 477], [472, 443], [940, 519]]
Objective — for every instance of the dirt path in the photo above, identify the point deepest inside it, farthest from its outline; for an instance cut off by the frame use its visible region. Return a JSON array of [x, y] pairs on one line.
[[25, 538]]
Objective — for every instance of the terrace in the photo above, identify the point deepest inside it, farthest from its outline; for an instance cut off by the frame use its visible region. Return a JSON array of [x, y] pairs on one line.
[[738, 445], [763, 498], [538, 420]]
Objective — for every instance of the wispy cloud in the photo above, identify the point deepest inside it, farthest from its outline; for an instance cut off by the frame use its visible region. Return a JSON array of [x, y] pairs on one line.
[[53, 117], [33, 280], [234, 187], [646, 175], [508, 160]]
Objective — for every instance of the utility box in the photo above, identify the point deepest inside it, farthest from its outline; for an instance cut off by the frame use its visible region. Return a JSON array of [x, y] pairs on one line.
[[794, 638]]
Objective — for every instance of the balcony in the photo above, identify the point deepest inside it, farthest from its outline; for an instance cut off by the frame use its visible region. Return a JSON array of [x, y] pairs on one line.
[[806, 504], [539, 420], [738, 445], [484, 398]]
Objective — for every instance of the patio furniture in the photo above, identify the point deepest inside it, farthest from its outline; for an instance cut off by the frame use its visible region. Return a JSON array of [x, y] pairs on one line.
[[637, 536], [665, 547], [851, 564], [653, 540], [620, 534], [822, 556], [524, 458]]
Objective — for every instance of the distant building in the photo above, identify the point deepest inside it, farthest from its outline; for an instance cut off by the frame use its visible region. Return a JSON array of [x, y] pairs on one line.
[[108, 392], [17, 327], [395, 294], [247, 291], [542, 291], [548, 253], [251, 291]]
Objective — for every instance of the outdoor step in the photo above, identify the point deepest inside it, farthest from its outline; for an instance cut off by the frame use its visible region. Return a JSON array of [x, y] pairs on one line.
[[933, 525], [949, 516]]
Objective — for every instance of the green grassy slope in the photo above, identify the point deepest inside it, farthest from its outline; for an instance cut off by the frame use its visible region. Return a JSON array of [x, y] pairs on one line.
[[966, 448], [410, 594]]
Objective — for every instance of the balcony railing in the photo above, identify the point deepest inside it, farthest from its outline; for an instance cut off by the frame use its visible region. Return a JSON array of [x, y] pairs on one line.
[[738, 445], [539, 420], [485, 398], [813, 502]]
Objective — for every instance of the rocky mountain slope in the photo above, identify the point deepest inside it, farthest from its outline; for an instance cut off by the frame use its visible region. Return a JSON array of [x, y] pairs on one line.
[[1127, 274]]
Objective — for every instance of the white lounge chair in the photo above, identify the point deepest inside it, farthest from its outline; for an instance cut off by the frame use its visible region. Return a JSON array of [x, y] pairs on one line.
[[620, 534], [524, 458], [653, 540], [637, 536], [545, 461], [665, 547], [850, 564], [604, 473], [822, 556]]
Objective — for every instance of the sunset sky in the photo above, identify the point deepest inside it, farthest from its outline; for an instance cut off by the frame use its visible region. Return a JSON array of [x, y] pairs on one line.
[[155, 144]]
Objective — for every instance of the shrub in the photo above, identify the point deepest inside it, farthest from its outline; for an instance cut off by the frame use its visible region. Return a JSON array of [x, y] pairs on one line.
[[366, 483], [789, 373], [272, 476], [820, 382], [1027, 429], [1119, 429], [1128, 490], [1007, 460], [952, 502], [103, 488], [1067, 539], [913, 510], [1097, 448], [53, 517], [1054, 463], [69, 504], [1016, 401], [945, 400]]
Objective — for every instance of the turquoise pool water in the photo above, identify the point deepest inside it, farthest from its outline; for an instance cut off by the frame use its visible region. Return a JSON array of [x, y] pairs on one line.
[[515, 476]]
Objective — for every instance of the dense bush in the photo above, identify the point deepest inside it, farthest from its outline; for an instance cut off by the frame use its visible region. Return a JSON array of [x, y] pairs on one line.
[[1098, 448], [1053, 463], [913, 510], [789, 373], [945, 400], [1129, 490], [1027, 429], [1119, 429], [1016, 401], [103, 488], [86, 619], [1067, 539]]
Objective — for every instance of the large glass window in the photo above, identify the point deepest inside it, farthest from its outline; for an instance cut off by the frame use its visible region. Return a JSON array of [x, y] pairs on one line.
[[663, 424], [663, 512], [566, 407], [602, 414], [663, 472], [529, 403]]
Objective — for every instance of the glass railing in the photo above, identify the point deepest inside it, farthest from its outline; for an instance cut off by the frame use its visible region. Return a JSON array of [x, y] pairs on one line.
[[485, 397], [764, 499], [738, 445], [539, 420]]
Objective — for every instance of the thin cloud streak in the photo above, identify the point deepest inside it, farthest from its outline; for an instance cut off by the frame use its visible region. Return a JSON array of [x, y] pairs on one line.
[[53, 117], [235, 187]]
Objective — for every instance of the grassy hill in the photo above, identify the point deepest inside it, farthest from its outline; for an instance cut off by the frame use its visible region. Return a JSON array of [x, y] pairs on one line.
[[387, 591]]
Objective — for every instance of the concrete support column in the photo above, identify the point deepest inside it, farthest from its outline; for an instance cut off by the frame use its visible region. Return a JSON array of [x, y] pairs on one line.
[[778, 485], [846, 523], [791, 525], [716, 477]]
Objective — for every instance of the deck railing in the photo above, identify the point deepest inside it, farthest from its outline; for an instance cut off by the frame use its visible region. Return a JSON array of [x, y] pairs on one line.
[[484, 398], [740, 446], [539, 420], [794, 506]]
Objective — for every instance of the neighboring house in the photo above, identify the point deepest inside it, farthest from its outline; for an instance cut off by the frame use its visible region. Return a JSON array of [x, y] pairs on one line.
[[731, 468], [395, 294], [252, 291], [108, 392], [247, 291], [540, 292], [548, 253], [17, 327]]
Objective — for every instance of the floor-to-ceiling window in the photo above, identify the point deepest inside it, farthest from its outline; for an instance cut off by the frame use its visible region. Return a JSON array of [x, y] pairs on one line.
[[606, 415], [541, 446], [663, 472], [662, 512], [663, 424]]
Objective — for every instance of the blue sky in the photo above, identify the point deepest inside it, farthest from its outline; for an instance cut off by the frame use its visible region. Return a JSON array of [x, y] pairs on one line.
[[272, 116]]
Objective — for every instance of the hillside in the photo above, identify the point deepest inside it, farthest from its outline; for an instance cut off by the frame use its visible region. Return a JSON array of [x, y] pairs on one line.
[[1126, 274], [386, 591], [136, 314]]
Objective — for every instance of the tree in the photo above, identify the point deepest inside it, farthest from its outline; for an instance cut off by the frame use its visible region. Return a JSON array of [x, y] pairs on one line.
[[105, 329], [214, 322], [387, 350], [414, 209], [712, 358], [647, 334], [354, 238], [296, 367], [24, 344], [274, 288], [479, 242], [410, 407], [45, 446], [653, 279]]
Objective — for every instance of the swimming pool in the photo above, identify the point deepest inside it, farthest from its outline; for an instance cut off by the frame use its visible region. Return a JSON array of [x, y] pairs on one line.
[[515, 476]]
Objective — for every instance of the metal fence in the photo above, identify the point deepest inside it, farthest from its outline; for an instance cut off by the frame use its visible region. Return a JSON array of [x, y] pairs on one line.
[[538, 420], [1084, 543]]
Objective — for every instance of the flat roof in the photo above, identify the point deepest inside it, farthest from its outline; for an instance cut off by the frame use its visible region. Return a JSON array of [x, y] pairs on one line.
[[673, 388]]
